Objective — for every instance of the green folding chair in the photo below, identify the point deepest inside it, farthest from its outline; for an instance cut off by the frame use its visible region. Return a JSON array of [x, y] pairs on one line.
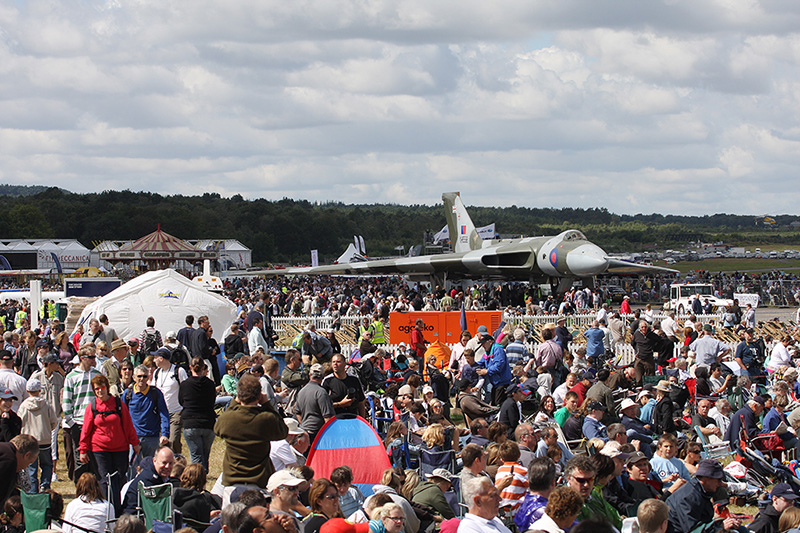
[[36, 508], [155, 503]]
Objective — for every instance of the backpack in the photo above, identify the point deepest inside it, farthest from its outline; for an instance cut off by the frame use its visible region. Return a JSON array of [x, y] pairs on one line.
[[150, 343], [176, 372], [129, 396], [117, 410]]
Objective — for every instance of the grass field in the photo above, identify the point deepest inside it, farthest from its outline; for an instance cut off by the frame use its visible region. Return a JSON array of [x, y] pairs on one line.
[[66, 488], [723, 264]]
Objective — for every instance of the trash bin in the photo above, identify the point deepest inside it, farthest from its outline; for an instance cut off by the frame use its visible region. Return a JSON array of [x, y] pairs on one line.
[[61, 311]]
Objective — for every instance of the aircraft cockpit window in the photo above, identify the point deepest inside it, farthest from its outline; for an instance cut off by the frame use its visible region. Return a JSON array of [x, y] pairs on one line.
[[574, 236]]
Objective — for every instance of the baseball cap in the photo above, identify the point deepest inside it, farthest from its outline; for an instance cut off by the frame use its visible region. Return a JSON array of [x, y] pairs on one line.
[[634, 458], [171, 335], [316, 372], [761, 400], [783, 490], [595, 405], [49, 358], [33, 385], [483, 329], [5, 355], [587, 376], [426, 389], [612, 449], [405, 389], [644, 393], [282, 478], [511, 389], [163, 352], [6, 394], [42, 343], [709, 468]]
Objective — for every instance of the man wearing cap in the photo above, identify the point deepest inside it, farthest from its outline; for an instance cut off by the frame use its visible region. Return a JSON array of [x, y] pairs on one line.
[[781, 497], [497, 370], [110, 369], [77, 394], [592, 427], [475, 343], [167, 378], [601, 392], [750, 412], [10, 380], [283, 487], [314, 406], [511, 410], [614, 492], [691, 506], [39, 420], [180, 352], [749, 355], [707, 349], [52, 379], [561, 334], [635, 428], [431, 492]]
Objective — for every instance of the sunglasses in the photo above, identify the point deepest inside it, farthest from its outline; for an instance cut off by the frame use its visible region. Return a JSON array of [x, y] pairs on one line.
[[584, 480]]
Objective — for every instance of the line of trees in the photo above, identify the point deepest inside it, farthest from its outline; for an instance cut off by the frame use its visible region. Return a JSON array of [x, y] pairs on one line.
[[283, 231]]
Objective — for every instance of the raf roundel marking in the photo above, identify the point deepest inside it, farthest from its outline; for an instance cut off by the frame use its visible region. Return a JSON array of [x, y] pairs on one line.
[[554, 257]]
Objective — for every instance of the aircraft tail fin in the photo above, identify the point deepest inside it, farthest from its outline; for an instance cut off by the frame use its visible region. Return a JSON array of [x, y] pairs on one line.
[[462, 231]]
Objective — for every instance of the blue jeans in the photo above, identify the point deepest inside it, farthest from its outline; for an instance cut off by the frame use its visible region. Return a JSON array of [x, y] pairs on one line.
[[149, 446], [46, 460], [199, 441], [112, 463]]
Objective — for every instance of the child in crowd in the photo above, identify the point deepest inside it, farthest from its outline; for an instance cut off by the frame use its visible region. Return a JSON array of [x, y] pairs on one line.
[[669, 468]]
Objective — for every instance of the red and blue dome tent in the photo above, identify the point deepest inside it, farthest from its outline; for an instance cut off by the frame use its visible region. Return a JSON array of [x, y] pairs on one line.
[[351, 441]]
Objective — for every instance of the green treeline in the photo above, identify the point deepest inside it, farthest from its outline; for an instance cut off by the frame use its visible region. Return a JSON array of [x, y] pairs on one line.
[[284, 231]]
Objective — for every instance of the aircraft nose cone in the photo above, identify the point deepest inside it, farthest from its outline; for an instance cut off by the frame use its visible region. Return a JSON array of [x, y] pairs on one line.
[[587, 260]]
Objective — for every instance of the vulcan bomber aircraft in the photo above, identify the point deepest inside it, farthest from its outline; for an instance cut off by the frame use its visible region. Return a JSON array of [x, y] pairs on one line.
[[559, 260]]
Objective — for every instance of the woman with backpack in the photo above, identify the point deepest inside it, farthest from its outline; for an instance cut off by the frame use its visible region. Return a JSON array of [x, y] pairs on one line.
[[107, 433]]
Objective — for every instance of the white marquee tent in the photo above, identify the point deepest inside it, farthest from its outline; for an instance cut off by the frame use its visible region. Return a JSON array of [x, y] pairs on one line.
[[166, 296]]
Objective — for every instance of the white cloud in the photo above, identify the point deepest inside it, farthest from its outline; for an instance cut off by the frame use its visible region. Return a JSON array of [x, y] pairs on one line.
[[625, 105]]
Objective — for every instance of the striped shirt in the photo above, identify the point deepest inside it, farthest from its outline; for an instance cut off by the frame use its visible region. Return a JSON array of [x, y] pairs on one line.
[[513, 494], [77, 394]]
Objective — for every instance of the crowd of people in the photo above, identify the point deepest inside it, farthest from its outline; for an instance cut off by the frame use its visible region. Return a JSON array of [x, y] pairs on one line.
[[553, 439]]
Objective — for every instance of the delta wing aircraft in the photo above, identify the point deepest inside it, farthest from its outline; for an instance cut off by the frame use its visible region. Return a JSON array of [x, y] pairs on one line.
[[559, 260]]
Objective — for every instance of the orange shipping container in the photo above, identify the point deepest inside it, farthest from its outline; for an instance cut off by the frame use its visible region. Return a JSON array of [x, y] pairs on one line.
[[440, 326]]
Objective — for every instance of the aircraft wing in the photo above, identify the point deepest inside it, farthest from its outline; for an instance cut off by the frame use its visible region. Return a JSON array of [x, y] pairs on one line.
[[426, 264], [618, 266]]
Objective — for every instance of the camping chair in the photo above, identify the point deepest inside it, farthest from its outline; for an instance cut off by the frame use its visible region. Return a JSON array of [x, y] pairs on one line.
[[576, 446], [454, 497], [430, 461], [380, 423], [769, 444], [36, 509], [155, 504], [717, 450]]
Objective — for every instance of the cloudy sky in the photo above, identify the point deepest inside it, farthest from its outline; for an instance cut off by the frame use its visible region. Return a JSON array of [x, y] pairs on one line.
[[671, 106]]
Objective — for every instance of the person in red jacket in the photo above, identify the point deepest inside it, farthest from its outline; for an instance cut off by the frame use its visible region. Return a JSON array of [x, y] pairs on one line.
[[107, 433]]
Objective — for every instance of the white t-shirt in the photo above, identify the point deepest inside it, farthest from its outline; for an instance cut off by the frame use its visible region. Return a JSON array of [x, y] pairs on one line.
[[164, 380], [91, 515]]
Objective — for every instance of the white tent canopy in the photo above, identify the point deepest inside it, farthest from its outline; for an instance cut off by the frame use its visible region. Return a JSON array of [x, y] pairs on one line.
[[166, 296]]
